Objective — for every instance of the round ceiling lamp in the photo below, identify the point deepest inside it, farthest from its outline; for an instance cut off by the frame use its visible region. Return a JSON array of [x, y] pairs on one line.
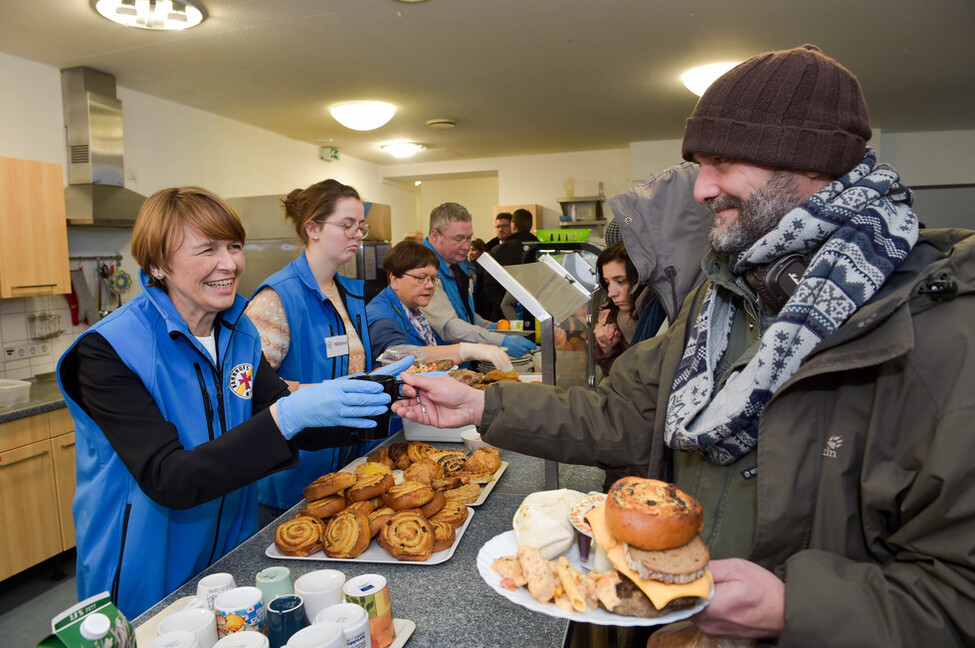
[[698, 79], [400, 149], [152, 14], [363, 115]]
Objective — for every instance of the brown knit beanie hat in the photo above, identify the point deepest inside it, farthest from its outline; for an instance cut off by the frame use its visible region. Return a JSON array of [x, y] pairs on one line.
[[794, 109]]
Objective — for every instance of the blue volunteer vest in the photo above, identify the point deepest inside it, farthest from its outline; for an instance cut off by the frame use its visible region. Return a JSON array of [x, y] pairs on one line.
[[129, 545], [311, 320], [449, 285], [386, 305]]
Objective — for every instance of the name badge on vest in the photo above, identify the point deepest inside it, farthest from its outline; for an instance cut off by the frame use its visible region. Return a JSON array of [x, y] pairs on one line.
[[337, 345]]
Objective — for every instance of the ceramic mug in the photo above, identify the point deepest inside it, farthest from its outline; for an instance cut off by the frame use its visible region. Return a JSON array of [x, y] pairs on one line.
[[320, 589], [212, 586], [243, 640], [318, 635], [354, 621], [274, 581], [175, 639], [241, 608], [285, 616], [195, 620]]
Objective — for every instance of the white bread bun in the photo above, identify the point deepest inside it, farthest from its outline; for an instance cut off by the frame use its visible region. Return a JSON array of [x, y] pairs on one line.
[[542, 521], [651, 514]]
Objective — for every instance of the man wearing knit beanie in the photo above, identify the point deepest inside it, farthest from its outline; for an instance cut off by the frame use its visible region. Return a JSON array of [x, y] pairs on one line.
[[814, 394]]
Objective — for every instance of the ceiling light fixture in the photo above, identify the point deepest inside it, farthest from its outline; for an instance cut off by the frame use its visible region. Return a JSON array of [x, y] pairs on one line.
[[441, 122], [698, 79], [152, 14], [363, 115], [400, 149]]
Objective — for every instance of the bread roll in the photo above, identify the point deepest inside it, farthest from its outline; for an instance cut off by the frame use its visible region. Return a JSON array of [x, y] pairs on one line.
[[651, 514], [328, 485]]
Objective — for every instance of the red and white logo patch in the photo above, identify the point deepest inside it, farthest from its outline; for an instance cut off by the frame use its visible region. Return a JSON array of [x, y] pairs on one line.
[[242, 380]]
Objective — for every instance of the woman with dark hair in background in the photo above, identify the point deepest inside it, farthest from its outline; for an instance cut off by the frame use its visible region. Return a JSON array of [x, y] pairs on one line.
[[617, 316], [312, 320]]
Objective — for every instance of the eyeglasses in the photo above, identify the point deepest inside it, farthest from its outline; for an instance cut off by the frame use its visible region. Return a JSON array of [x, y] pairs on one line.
[[421, 280], [350, 229], [456, 240]]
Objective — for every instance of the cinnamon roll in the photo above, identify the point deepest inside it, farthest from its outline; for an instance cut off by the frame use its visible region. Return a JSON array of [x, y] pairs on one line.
[[443, 535], [328, 485], [407, 535], [449, 460], [299, 536], [346, 535], [417, 450], [378, 517], [453, 513]]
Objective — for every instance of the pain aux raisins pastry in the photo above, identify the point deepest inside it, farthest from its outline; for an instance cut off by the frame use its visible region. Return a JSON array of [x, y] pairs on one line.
[[299, 536]]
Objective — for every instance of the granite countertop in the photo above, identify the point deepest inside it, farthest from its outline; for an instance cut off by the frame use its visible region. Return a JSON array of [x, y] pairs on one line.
[[44, 397], [450, 603]]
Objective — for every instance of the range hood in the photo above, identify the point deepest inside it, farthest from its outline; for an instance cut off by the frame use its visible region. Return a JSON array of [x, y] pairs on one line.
[[96, 195]]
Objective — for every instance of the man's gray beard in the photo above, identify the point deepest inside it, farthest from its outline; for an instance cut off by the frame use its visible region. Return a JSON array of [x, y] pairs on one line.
[[757, 215]]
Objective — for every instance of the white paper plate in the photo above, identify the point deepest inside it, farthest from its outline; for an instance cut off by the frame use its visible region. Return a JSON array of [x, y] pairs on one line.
[[376, 554], [398, 478], [507, 545]]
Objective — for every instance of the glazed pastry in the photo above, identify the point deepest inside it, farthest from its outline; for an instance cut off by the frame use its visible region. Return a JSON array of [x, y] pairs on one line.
[[443, 535], [346, 535], [382, 456], [399, 456], [425, 470], [328, 485], [433, 506], [407, 535], [365, 506], [484, 460], [323, 508], [407, 495], [299, 536], [377, 518], [372, 468], [368, 486], [449, 460], [418, 450], [453, 513], [466, 494]]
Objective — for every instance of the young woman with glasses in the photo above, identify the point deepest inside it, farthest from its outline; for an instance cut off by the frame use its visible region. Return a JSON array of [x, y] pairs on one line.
[[312, 320], [395, 318]]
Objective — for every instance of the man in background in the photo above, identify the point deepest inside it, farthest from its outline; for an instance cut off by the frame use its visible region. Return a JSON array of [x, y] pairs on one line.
[[451, 310], [515, 251]]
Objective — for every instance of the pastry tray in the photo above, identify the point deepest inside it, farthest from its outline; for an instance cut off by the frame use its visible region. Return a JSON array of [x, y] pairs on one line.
[[376, 554], [398, 478]]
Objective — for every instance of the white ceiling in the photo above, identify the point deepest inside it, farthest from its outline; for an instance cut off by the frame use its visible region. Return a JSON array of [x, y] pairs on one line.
[[519, 76]]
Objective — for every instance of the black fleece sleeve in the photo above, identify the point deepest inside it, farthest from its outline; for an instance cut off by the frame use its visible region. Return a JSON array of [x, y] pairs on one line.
[[117, 400]]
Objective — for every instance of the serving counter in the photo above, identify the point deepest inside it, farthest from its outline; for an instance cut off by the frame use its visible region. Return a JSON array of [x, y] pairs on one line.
[[450, 603]]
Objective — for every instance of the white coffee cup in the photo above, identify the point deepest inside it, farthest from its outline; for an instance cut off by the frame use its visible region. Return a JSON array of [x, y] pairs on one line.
[[354, 621], [210, 587], [244, 640], [197, 621], [318, 635], [320, 589], [241, 608], [175, 639]]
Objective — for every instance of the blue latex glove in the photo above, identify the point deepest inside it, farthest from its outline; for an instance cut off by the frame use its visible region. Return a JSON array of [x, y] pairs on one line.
[[492, 325], [396, 368], [517, 346], [333, 403]]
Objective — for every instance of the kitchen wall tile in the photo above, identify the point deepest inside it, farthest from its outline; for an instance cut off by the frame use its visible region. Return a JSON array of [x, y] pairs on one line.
[[18, 374], [13, 328], [8, 306]]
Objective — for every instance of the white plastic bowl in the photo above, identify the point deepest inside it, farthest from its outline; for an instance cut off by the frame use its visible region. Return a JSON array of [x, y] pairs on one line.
[[473, 440]]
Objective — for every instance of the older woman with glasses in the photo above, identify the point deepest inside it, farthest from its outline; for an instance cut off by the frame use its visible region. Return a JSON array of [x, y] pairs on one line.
[[312, 320], [395, 318]]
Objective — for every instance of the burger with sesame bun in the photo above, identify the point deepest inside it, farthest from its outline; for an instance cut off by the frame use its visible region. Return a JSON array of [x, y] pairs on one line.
[[650, 531]]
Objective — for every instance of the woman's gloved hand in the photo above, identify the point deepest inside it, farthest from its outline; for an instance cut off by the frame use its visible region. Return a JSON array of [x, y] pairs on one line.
[[487, 352], [334, 403], [518, 346]]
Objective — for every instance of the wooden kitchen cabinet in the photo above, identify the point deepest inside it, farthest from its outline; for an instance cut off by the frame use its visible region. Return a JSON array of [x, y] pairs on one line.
[[37, 480], [33, 229]]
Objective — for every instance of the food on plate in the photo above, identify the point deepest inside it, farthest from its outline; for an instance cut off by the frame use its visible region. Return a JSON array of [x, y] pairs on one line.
[[408, 495], [453, 513], [484, 460], [369, 486], [465, 494], [509, 567], [466, 376], [346, 535], [496, 375], [299, 536], [425, 470], [328, 485], [434, 365], [373, 468], [542, 521], [323, 508], [578, 594], [671, 577], [444, 535], [407, 535], [433, 507], [651, 514], [538, 574], [504, 325], [417, 450]]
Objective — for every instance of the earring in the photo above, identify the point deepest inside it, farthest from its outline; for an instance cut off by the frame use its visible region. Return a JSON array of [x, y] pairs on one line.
[[159, 277], [314, 238]]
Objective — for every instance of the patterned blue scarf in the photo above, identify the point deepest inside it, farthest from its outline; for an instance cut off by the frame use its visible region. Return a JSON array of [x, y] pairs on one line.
[[866, 227]]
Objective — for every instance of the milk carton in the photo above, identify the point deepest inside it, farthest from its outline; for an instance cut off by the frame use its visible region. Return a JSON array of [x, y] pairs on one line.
[[92, 623]]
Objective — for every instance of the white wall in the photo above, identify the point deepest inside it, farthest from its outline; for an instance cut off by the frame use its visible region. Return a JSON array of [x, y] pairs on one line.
[[478, 195]]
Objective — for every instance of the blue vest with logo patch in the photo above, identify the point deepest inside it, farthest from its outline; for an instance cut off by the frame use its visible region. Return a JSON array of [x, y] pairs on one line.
[[129, 545], [312, 319]]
